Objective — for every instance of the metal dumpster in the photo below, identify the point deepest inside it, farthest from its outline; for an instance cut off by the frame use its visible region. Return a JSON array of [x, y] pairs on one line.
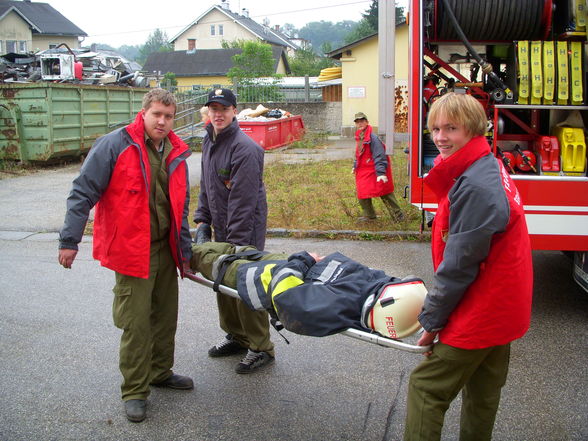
[[274, 133], [49, 121]]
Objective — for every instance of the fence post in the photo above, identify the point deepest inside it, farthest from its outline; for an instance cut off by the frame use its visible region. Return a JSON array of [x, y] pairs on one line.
[[306, 89], [236, 89]]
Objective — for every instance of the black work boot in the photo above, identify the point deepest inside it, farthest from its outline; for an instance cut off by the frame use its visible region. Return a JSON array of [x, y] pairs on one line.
[[135, 410], [203, 234]]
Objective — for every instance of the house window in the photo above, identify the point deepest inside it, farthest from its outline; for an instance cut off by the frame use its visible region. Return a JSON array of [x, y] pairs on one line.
[[22, 47], [11, 46], [1, 45], [211, 29], [220, 29], [52, 45], [191, 44]]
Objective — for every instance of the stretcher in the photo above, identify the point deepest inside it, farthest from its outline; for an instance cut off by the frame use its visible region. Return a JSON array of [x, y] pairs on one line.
[[349, 332]]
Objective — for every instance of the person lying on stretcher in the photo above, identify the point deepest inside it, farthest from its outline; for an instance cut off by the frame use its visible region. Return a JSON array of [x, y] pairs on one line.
[[314, 295]]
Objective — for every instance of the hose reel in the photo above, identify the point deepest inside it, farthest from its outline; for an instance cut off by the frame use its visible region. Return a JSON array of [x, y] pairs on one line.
[[494, 20]]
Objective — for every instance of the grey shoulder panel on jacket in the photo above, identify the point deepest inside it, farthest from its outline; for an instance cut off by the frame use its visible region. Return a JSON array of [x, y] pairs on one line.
[[479, 191]]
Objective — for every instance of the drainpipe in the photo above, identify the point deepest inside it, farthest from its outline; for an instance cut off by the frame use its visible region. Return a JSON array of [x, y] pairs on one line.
[[387, 75]]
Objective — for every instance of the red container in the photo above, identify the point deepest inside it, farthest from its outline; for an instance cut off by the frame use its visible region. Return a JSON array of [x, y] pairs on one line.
[[274, 133]]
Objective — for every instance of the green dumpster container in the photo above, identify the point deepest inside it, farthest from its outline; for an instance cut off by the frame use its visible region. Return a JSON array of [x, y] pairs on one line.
[[44, 122]]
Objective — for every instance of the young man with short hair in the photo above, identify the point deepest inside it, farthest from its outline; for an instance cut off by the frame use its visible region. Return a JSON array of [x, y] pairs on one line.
[[233, 200], [137, 178]]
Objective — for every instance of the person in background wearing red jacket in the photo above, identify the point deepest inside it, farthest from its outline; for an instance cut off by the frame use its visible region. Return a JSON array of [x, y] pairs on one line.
[[475, 308], [373, 173], [138, 179]]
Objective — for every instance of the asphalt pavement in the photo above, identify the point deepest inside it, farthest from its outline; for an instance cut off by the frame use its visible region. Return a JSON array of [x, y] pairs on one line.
[[59, 377]]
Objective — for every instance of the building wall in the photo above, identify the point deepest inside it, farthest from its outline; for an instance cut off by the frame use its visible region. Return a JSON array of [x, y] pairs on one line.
[[361, 76], [42, 42], [187, 82], [14, 28], [201, 32]]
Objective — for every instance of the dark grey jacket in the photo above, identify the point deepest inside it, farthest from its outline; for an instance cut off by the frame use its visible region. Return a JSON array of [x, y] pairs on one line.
[[309, 297], [232, 194]]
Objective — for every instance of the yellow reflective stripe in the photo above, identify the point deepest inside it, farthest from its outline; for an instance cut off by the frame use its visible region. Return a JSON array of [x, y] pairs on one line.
[[581, 15], [285, 284], [523, 53], [562, 72], [536, 73], [266, 275], [576, 72], [548, 72]]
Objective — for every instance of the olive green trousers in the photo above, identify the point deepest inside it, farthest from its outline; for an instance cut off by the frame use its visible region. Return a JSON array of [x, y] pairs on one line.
[[147, 311], [249, 328], [389, 201], [480, 374]]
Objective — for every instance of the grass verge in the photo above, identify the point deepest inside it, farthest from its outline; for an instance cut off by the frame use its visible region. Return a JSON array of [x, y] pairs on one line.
[[319, 196]]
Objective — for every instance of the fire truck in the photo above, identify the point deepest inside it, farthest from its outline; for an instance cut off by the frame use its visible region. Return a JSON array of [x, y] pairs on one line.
[[526, 62]]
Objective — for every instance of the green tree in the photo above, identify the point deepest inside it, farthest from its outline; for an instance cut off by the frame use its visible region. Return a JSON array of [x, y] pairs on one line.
[[255, 61], [169, 81], [131, 53], [307, 62], [368, 25], [363, 29], [371, 15], [156, 42], [320, 32], [289, 29]]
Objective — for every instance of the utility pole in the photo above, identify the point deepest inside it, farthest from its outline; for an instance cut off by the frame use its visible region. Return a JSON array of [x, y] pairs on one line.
[[387, 73]]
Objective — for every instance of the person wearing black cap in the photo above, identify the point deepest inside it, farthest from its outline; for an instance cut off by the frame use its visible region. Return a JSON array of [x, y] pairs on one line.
[[373, 172], [233, 201]]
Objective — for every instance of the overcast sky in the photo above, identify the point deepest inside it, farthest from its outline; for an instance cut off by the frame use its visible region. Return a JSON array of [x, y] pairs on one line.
[[118, 22]]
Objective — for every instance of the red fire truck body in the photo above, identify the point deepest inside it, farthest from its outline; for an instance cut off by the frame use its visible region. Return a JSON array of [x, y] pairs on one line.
[[523, 120]]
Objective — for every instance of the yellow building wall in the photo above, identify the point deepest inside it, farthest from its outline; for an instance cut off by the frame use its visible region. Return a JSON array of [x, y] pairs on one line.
[[41, 43], [13, 27], [188, 82], [360, 74], [201, 33]]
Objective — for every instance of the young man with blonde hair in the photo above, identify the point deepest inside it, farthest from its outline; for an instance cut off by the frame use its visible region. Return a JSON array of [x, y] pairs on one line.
[[475, 308]]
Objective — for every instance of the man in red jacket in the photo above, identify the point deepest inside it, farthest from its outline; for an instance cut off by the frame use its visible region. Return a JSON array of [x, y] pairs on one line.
[[373, 172], [475, 308], [137, 178]]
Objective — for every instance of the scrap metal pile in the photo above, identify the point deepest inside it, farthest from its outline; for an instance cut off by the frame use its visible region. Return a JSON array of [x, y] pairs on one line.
[[77, 66]]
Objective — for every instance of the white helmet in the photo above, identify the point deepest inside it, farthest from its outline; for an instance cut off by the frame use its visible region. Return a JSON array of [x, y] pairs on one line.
[[393, 311]]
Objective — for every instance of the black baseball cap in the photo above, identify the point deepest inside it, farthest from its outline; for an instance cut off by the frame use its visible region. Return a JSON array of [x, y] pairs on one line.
[[226, 97]]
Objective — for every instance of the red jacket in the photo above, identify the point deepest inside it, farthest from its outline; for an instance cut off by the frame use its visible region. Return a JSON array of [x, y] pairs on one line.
[[115, 177], [481, 252], [371, 161]]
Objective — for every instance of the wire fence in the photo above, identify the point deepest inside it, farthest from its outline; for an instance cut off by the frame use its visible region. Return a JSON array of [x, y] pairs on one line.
[[190, 99], [266, 93]]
